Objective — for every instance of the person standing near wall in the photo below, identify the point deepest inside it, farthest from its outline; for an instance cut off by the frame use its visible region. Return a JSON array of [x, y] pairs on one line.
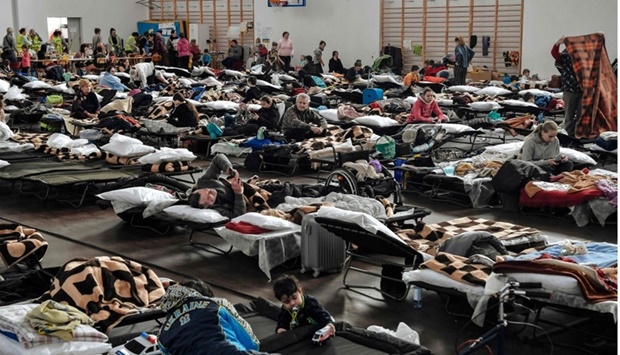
[[171, 46], [463, 56], [9, 46], [114, 42], [183, 51], [317, 60], [571, 90], [285, 51], [96, 37]]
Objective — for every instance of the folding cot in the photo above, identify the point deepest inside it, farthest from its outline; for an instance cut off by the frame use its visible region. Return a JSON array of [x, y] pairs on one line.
[[262, 316], [375, 245], [15, 172]]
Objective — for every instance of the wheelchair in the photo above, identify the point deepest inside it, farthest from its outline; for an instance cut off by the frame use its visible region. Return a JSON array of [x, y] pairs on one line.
[[344, 180]]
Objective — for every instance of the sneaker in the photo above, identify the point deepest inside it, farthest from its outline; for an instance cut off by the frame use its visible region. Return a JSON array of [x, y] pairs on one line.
[[260, 135]]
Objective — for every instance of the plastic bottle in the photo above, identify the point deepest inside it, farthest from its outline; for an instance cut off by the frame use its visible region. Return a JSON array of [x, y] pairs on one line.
[[417, 297]]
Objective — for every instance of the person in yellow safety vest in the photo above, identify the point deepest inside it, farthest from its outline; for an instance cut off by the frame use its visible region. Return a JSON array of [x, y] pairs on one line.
[[131, 46], [35, 40], [56, 41], [22, 38]]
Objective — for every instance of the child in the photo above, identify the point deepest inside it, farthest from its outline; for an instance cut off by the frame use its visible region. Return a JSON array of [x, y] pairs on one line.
[[529, 97], [206, 57], [413, 77], [299, 309], [25, 60], [526, 75]]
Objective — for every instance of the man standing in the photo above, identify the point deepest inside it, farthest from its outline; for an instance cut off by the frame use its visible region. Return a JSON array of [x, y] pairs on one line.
[[97, 37], [317, 60], [171, 47], [9, 46], [35, 40], [572, 93], [300, 122]]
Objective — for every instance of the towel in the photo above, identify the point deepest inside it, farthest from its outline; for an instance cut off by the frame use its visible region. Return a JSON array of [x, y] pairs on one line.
[[56, 319]]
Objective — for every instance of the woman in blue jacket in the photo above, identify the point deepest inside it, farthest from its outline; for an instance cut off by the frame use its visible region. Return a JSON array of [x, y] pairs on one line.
[[463, 56]]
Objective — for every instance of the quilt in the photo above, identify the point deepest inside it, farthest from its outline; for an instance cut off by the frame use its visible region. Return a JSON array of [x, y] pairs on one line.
[[501, 230], [105, 288]]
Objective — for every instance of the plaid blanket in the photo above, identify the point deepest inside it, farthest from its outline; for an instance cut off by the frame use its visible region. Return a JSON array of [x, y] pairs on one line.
[[106, 288], [459, 268], [424, 237], [501, 230], [599, 112], [34, 138], [335, 135]]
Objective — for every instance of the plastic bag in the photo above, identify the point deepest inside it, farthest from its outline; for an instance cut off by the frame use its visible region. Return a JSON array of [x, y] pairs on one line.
[[15, 94], [403, 332], [386, 145], [58, 140]]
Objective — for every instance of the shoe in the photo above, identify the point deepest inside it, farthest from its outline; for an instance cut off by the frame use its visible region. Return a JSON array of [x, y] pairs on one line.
[[260, 135]]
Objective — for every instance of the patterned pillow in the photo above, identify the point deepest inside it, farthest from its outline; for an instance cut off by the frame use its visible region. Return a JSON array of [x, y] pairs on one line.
[[14, 324]]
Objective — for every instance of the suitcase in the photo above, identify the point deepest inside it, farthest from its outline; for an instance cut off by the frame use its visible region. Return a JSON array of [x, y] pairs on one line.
[[372, 95], [321, 250]]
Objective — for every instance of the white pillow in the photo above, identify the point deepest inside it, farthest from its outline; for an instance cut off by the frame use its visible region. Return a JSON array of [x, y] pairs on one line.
[[535, 92], [59, 140], [167, 154], [127, 150], [379, 121], [5, 132], [493, 91], [510, 149], [445, 102], [185, 82], [12, 347], [254, 107], [91, 77], [518, 103], [577, 157], [4, 86], [463, 88], [453, 128], [484, 105], [287, 77], [268, 84], [385, 79], [211, 81], [4, 163], [234, 73], [223, 105], [137, 196], [197, 215], [122, 74], [330, 115], [267, 222], [120, 138], [412, 99], [37, 85]]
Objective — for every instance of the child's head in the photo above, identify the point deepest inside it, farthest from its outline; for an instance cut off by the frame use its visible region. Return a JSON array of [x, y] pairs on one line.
[[287, 290], [202, 287], [526, 72], [6, 63], [25, 47], [206, 51], [528, 97], [415, 68]]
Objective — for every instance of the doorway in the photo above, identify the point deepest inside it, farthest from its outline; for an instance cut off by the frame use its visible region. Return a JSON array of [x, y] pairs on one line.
[[71, 29]]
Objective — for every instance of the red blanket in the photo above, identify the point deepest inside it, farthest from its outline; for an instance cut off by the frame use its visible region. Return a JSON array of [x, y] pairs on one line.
[[593, 70]]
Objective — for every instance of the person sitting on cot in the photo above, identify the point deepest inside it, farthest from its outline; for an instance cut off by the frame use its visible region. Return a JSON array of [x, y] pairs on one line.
[[425, 107]]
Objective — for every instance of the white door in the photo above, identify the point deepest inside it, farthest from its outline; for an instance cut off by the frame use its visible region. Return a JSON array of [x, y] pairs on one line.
[[74, 26]]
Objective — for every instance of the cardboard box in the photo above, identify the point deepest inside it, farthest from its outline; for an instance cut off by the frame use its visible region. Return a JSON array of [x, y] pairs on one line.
[[480, 76]]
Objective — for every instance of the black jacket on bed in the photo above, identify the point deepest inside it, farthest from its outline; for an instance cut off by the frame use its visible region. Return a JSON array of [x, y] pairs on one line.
[[183, 116]]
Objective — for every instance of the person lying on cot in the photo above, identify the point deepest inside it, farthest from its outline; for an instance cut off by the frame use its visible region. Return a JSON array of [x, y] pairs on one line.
[[542, 147], [197, 322], [425, 107], [222, 195]]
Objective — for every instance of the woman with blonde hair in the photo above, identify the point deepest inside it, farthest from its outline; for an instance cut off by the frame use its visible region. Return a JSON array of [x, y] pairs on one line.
[[463, 56], [86, 104], [542, 147]]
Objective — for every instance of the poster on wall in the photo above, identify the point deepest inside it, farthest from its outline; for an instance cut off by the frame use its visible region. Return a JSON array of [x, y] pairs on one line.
[[287, 3], [165, 26]]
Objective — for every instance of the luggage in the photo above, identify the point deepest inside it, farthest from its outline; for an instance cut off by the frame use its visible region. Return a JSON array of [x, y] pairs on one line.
[[321, 251], [372, 95]]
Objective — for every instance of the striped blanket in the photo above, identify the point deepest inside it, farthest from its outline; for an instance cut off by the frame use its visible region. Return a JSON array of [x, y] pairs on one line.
[[593, 70]]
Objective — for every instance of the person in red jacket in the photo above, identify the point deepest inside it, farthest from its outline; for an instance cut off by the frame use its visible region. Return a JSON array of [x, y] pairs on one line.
[[425, 107]]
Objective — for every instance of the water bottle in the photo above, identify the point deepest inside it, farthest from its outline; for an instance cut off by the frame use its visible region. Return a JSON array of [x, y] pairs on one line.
[[417, 297]]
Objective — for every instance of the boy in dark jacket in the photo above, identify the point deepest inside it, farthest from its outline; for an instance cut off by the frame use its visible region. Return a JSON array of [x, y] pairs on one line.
[[299, 309]]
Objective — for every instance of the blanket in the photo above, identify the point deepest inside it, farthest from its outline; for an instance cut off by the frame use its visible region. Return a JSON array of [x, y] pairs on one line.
[[598, 285], [501, 230], [106, 288], [424, 237], [459, 268], [34, 138], [599, 107]]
